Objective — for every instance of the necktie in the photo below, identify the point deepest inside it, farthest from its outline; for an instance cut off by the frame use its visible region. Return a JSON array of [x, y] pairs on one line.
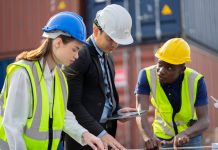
[[111, 94]]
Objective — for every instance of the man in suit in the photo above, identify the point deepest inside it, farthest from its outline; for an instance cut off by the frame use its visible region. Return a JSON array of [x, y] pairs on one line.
[[92, 92]]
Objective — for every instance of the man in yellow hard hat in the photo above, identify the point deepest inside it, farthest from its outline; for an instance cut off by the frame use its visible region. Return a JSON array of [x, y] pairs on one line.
[[179, 96]]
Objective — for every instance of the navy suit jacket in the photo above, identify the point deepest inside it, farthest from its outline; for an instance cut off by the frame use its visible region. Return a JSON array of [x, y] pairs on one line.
[[86, 90]]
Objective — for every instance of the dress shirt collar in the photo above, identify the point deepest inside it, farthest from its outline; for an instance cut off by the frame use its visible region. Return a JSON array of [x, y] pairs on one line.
[[47, 73], [100, 52]]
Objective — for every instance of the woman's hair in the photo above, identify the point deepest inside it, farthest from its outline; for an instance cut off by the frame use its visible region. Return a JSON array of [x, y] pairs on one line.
[[43, 50]]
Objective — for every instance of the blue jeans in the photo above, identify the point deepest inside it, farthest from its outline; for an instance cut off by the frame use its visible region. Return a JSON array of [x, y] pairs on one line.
[[193, 142]]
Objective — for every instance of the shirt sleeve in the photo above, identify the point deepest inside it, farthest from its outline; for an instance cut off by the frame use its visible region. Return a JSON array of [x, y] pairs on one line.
[[73, 128], [201, 98], [17, 109], [142, 86], [102, 133]]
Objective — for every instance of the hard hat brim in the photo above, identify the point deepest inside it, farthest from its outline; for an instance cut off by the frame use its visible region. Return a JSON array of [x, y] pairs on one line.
[[84, 42], [172, 61], [127, 41], [54, 35]]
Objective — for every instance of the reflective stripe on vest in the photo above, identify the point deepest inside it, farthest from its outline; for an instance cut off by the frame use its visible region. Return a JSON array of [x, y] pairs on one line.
[[167, 126], [33, 131], [4, 145], [191, 79]]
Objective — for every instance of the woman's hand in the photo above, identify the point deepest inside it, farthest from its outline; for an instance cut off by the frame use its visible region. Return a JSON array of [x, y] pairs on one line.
[[111, 142], [94, 142]]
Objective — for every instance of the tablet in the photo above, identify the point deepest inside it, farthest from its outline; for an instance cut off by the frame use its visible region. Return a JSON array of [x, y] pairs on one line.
[[125, 115]]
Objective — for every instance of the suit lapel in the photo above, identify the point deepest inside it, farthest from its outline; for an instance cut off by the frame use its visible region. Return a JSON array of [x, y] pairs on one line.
[[94, 56], [110, 63]]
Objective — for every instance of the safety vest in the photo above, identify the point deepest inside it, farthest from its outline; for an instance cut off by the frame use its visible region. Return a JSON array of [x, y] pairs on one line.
[[37, 134], [163, 122]]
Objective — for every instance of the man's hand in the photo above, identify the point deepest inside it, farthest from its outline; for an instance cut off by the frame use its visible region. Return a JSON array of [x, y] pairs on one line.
[[178, 140], [125, 110], [152, 144], [94, 142], [109, 141]]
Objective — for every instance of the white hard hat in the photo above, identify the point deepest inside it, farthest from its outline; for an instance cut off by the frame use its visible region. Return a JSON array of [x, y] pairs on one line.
[[116, 22]]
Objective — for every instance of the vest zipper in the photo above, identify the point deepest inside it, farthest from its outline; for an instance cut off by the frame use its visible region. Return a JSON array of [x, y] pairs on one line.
[[174, 124], [50, 134], [50, 140]]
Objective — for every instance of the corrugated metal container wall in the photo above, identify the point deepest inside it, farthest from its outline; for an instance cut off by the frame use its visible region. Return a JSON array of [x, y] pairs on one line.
[[206, 63], [22, 20], [200, 21], [155, 20], [152, 20]]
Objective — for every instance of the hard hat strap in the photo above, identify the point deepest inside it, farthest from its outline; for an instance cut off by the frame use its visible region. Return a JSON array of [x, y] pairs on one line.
[[97, 24]]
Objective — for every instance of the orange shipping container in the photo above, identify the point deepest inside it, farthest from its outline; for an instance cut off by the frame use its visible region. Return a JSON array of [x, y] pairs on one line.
[[22, 20]]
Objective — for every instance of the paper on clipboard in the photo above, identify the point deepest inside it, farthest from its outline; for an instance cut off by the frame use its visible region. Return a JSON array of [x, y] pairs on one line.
[[127, 115]]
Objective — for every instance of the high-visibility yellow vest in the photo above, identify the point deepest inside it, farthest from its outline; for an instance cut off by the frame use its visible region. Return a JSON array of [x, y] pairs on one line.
[[163, 123], [36, 130]]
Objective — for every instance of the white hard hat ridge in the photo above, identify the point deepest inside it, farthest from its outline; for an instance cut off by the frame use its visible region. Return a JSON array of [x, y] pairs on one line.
[[117, 23]]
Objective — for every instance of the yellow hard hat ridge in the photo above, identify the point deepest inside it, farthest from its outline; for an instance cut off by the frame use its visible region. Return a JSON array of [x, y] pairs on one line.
[[175, 51]]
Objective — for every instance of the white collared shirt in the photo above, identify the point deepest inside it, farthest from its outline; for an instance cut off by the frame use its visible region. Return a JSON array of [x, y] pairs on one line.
[[19, 108]]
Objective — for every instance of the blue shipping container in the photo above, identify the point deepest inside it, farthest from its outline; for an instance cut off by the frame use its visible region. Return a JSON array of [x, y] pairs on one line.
[[93, 6], [152, 19], [3, 66], [200, 22]]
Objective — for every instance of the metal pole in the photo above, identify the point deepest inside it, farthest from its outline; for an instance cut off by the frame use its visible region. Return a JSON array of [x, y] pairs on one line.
[[138, 54], [108, 2], [126, 96], [157, 19], [126, 4], [138, 21]]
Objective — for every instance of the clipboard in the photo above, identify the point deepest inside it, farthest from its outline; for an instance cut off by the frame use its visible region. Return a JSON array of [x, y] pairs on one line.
[[127, 115]]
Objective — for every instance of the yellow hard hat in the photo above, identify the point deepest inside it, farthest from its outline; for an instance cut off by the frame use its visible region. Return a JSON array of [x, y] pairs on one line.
[[175, 51]]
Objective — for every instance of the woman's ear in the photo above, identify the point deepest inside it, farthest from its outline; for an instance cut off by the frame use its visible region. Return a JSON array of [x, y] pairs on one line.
[[57, 43]]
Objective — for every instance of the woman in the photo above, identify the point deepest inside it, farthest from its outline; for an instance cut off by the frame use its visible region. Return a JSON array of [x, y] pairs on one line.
[[33, 101]]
